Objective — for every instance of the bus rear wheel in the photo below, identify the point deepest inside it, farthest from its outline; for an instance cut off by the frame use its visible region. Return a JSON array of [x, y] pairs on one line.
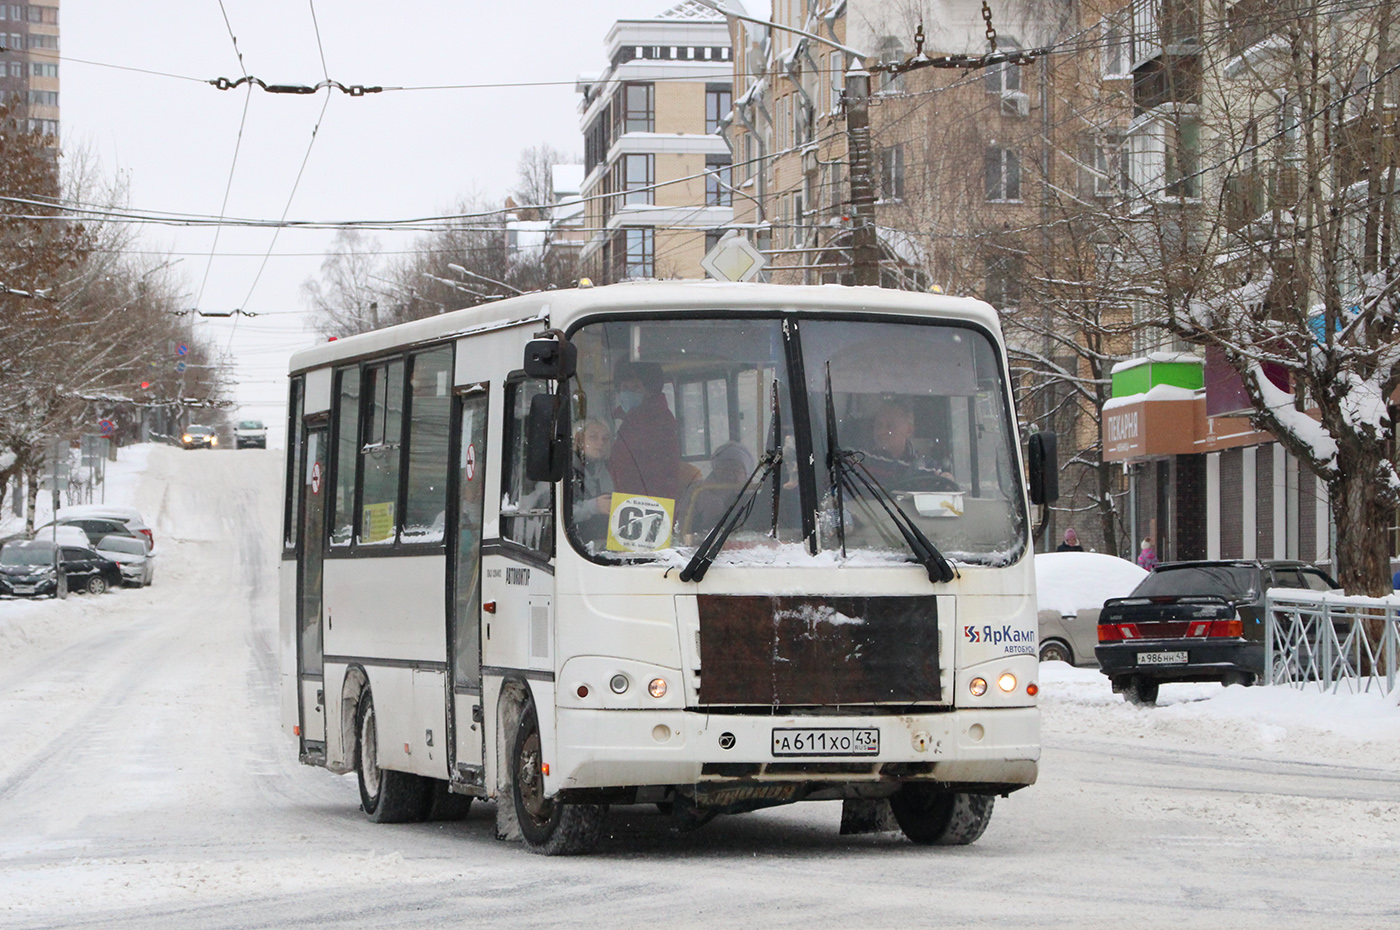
[[386, 796], [934, 816], [550, 827]]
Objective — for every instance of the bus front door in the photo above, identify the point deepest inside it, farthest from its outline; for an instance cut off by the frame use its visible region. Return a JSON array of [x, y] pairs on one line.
[[464, 627], [310, 644]]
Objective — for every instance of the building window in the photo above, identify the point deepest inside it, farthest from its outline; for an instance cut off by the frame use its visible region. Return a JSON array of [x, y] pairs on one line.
[[43, 98], [1117, 48], [15, 44], [889, 52], [719, 100], [43, 70], [638, 179], [1003, 275], [1106, 166], [717, 182], [16, 69], [836, 68], [1003, 170], [42, 41], [639, 108], [1004, 78], [891, 161], [640, 258], [1183, 145]]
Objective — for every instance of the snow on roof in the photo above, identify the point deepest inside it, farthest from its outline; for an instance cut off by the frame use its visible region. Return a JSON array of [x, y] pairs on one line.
[[692, 11], [567, 179], [1068, 582], [1156, 392], [1186, 358]]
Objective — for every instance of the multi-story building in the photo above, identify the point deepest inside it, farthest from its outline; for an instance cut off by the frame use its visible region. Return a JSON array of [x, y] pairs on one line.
[[29, 64], [656, 170]]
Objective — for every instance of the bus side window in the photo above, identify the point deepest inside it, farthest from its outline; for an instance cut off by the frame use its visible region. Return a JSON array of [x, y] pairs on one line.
[[527, 507], [429, 416], [346, 453], [381, 453]]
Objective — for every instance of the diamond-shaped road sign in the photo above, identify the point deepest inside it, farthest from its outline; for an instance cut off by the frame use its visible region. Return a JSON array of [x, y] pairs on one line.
[[733, 258]]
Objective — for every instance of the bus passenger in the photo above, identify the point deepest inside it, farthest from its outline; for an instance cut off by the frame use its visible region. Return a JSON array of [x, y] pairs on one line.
[[646, 455], [593, 484]]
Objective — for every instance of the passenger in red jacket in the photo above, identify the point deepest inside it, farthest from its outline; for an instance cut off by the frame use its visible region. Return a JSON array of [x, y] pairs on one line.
[[646, 453]]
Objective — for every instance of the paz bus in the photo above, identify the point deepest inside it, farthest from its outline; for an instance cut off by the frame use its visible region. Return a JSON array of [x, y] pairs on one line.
[[710, 547]]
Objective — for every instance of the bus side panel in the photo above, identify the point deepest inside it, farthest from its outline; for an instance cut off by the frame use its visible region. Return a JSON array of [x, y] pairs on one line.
[[387, 608], [381, 611]]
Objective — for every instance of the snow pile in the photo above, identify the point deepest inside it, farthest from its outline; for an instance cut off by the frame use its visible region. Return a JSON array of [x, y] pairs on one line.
[[1068, 582]]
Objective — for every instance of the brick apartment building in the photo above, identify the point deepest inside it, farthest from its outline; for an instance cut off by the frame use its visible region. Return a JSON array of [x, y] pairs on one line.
[[29, 64], [656, 171]]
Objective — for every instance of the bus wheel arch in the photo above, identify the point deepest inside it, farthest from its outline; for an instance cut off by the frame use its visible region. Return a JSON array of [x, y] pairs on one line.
[[386, 795], [356, 683]]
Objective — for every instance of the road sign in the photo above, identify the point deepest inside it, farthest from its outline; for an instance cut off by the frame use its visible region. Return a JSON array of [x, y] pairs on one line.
[[180, 367], [182, 350], [733, 258], [106, 428]]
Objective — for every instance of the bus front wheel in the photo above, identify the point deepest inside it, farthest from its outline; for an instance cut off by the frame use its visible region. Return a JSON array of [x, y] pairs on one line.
[[934, 816], [386, 796], [550, 827]]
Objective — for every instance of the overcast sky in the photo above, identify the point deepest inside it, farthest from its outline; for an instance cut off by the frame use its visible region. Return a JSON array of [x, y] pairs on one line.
[[391, 155]]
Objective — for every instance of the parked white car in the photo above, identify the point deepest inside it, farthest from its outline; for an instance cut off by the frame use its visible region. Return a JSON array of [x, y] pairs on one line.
[[136, 563], [129, 516], [1070, 589]]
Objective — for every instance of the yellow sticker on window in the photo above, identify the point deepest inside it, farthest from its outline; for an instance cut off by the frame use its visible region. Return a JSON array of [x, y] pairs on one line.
[[637, 523], [378, 523]]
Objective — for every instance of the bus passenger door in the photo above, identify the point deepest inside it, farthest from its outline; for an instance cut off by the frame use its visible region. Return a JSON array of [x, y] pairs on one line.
[[310, 643], [464, 623]]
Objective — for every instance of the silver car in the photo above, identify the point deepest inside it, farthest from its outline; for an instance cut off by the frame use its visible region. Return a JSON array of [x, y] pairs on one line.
[[136, 562], [1070, 588]]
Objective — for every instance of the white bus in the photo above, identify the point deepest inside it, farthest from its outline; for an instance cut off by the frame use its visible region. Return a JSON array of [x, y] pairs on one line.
[[713, 547]]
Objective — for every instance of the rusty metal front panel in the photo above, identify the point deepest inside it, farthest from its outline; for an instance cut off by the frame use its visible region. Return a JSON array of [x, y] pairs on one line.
[[825, 651]]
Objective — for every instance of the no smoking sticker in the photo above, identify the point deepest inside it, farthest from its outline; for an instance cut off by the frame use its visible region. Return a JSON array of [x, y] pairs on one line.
[[469, 461], [315, 477]]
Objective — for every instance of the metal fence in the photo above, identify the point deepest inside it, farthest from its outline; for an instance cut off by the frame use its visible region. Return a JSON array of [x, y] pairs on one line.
[[1332, 642]]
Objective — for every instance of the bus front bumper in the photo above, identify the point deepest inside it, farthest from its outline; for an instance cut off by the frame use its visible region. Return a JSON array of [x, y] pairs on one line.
[[601, 749]]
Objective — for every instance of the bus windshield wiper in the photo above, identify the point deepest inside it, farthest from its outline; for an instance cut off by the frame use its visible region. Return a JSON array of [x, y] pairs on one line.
[[743, 502], [849, 474]]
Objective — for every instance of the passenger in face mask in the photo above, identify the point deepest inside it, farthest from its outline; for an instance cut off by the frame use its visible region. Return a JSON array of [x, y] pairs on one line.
[[646, 452]]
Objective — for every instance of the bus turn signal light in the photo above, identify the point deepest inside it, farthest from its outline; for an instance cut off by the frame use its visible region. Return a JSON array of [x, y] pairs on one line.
[[1032, 689]]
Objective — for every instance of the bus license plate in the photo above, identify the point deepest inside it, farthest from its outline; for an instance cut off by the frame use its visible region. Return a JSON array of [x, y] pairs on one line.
[[1161, 658], [851, 741]]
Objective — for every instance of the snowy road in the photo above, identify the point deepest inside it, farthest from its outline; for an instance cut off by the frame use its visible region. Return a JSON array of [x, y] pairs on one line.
[[144, 783]]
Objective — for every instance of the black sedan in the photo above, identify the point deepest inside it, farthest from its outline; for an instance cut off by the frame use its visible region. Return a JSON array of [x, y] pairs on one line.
[[1194, 621], [27, 569]]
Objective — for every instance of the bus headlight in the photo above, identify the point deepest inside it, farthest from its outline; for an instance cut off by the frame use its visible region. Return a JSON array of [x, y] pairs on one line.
[[1007, 682], [978, 687], [657, 688]]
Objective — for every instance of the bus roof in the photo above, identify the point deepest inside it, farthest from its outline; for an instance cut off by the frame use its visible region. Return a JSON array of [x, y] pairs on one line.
[[561, 307]]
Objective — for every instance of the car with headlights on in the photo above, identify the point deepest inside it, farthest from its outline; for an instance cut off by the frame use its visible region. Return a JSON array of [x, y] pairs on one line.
[[199, 437], [136, 562], [1194, 621]]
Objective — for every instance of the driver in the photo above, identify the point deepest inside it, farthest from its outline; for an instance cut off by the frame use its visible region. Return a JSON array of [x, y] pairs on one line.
[[892, 461]]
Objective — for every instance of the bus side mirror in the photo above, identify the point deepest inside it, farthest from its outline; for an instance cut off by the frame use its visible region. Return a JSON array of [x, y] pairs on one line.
[[551, 359], [1044, 464], [544, 439]]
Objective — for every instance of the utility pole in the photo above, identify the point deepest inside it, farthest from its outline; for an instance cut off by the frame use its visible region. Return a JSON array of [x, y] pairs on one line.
[[865, 245]]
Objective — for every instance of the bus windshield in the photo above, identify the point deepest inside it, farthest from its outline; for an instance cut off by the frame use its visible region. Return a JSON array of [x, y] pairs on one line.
[[674, 425]]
